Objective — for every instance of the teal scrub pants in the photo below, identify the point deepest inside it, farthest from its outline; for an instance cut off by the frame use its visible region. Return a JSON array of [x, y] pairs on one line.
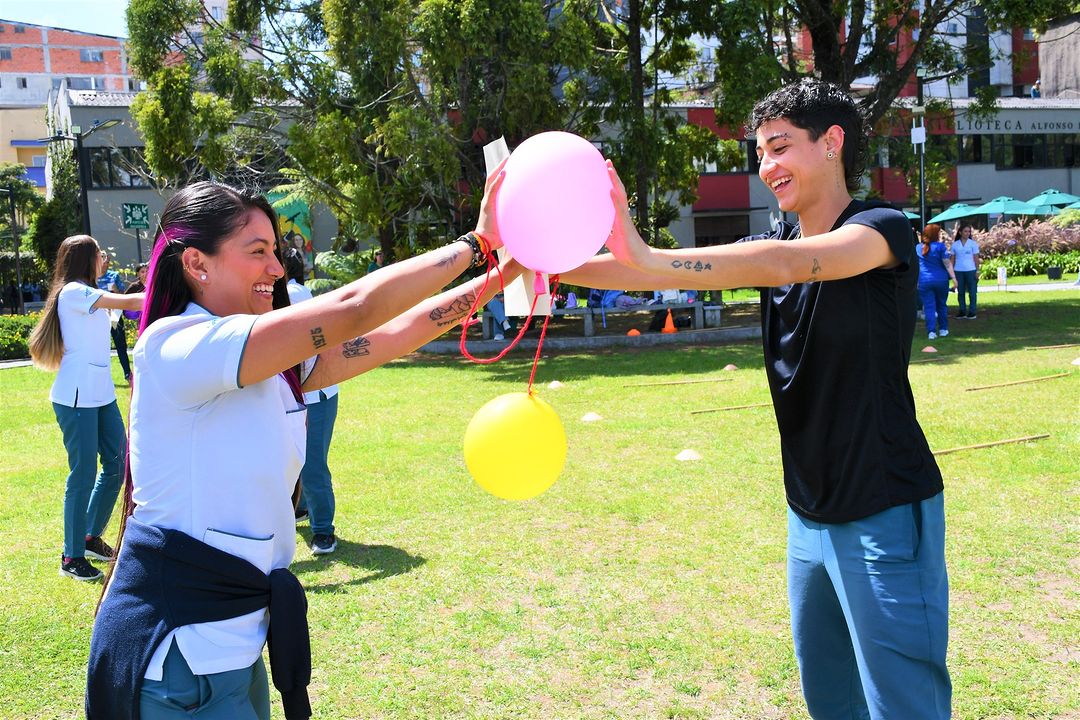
[[181, 695], [88, 434], [870, 614]]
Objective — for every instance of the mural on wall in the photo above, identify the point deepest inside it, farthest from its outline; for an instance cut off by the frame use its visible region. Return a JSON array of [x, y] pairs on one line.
[[294, 223]]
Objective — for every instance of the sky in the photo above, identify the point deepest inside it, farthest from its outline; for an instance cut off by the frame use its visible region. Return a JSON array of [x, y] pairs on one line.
[[105, 17]]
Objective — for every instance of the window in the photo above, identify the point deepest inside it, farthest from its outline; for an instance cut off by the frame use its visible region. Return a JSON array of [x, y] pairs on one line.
[[91, 55], [976, 149], [217, 12], [37, 160], [1020, 151], [5, 53], [117, 168], [80, 83], [135, 85], [20, 28], [1063, 151], [20, 83]]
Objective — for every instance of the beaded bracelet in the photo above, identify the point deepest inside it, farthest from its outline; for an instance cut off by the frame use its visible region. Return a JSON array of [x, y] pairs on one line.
[[479, 247]]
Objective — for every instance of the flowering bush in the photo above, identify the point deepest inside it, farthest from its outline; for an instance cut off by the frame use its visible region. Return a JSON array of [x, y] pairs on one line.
[[1028, 248]]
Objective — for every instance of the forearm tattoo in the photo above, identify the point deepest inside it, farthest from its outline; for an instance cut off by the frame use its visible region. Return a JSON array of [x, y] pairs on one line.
[[317, 337], [448, 258], [453, 312], [357, 347], [691, 265], [814, 270]]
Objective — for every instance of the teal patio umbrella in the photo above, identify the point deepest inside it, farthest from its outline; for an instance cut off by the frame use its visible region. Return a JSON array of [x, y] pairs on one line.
[[1050, 196], [911, 215], [954, 212], [1074, 206], [1043, 208], [1003, 206]]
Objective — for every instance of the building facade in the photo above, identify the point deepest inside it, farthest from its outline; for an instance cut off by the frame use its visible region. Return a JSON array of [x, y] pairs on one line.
[[35, 59]]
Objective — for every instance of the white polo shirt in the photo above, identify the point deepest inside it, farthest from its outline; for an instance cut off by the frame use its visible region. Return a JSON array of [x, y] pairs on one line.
[[84, 378], [215, 461], [298, 294], [964, 255]]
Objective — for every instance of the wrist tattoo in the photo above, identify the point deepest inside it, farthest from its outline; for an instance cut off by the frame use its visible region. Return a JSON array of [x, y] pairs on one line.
[[453, 312], [814, 270], [691, 265], [356, 347], [317, 337], [447, 258]]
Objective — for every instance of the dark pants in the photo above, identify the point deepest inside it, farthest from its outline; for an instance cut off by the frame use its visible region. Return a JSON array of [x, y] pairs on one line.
[[119, 338], [967, 290]]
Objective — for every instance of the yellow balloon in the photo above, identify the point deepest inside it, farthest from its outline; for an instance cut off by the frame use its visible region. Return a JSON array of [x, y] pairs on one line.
[[515, 446]]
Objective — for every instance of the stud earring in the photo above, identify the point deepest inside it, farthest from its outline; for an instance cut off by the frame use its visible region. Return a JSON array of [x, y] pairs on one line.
[[203, 277], [830, 154]]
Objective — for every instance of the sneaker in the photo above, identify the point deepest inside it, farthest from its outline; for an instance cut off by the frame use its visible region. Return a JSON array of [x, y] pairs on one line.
[[323, 544], [971, 316], [932, 335], [506, 324], [98, 549], [944, 333], [301, 516], [79, 569], [499, 336]]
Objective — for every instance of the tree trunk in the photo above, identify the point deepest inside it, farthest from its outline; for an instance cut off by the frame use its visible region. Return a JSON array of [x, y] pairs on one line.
[[637, 138]]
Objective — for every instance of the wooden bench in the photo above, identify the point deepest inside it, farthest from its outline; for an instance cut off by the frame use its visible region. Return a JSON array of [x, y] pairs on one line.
[[703, 315]]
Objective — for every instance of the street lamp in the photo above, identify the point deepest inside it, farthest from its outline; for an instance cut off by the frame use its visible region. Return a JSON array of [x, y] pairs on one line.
[[10, 190], [920, 113], [77, 136]]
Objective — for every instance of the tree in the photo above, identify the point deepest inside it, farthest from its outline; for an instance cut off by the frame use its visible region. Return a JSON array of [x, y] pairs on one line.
[[380, 109], [659, 152], [852, 40], [27, 201], [61, 215]]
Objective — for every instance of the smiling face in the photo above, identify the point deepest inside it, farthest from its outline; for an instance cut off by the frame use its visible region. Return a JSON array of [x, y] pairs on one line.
[[240, 277], [793, 166]]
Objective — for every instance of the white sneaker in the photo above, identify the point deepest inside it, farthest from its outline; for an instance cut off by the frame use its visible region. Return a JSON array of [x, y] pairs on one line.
[[506, 324], [932, 335], [944, 333], [499, 336]]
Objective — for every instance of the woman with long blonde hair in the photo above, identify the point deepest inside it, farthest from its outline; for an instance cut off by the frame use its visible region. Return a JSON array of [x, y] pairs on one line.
[[73, 339]]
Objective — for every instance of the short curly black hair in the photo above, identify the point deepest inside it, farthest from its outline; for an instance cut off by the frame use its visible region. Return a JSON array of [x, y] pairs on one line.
[[815, 106]]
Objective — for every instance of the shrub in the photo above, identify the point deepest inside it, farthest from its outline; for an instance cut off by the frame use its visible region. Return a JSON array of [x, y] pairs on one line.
[[1013, 236], [14, 332], [1030, 263]]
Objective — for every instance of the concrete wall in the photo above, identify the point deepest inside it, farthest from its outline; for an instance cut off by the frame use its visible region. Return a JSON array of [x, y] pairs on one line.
[[985, 182]]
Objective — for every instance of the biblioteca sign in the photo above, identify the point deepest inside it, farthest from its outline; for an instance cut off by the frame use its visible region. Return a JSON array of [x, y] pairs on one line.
[[1020, 121]]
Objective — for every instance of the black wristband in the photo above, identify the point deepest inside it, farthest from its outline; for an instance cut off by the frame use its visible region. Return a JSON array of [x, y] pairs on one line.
[[479, 258]]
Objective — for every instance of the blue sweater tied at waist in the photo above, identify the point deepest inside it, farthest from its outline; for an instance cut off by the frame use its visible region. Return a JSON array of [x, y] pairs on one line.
[[165, 579]]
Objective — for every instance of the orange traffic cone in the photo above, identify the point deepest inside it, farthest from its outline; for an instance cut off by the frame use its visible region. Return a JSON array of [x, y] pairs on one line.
[[633, 332], [669, 324]]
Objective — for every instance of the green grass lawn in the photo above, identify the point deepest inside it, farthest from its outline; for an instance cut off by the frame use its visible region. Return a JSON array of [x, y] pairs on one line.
[[638, 586]]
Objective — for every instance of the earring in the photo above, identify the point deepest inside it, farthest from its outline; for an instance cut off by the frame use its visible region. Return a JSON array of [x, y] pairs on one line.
[[830, 154], [203, 277]]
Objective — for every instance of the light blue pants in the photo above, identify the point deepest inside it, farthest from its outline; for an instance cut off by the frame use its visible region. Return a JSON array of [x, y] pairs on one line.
[[180, 695], [89, 433], [967, 286], [318, 495], [870, 614], [934, 296]]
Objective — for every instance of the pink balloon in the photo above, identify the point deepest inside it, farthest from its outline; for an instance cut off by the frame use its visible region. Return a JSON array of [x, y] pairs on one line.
[[554, 208]]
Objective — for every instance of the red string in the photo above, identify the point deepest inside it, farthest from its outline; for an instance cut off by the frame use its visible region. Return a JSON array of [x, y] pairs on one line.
[[476, 304], [543, 331]]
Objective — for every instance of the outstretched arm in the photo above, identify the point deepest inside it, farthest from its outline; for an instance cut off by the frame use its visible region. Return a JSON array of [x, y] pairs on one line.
[[848, 251], [282, 338], [118, 301], [405, 333]]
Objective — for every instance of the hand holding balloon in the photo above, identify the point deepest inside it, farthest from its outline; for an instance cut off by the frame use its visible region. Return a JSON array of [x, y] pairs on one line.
[[487, 225], [624, 242]]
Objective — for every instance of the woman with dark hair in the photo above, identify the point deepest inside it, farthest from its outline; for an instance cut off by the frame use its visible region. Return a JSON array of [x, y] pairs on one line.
[[966, 263], [867, 584], [218, 441], [73, 338], [935, 276]]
